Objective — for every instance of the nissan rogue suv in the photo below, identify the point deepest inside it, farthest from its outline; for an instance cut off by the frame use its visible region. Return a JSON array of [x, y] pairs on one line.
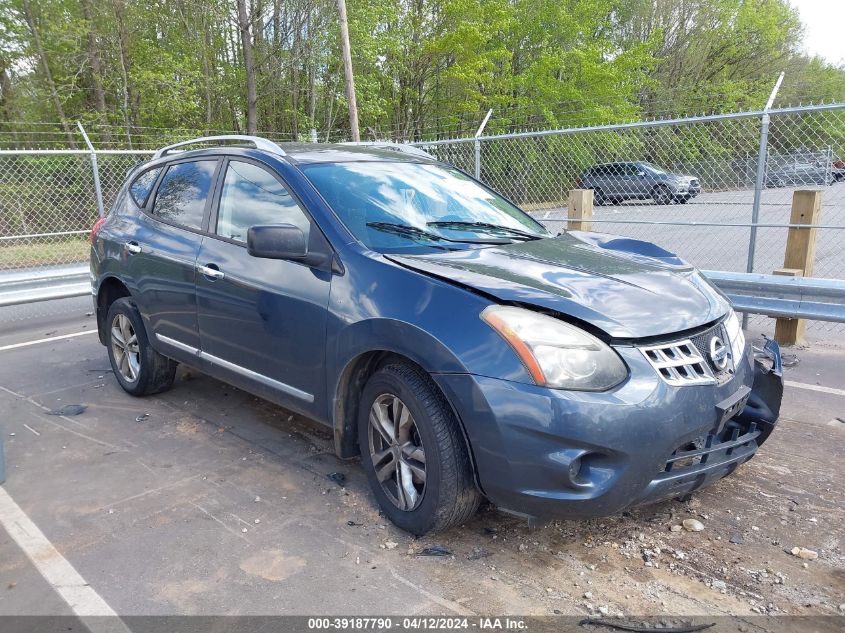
[[445, 336]]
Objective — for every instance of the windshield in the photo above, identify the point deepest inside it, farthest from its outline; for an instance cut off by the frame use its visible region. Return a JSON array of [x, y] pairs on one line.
[[654, 168], [404, 206]]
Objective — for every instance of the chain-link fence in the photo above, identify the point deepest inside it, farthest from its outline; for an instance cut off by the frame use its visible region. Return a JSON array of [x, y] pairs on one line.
[[48, 203], [697, 186]]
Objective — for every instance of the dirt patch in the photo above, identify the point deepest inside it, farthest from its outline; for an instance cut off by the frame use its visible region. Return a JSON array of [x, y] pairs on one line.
[[273, 565], [188, 424]]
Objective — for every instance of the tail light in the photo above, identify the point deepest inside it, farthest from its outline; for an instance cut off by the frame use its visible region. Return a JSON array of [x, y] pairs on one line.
[[96, 229]]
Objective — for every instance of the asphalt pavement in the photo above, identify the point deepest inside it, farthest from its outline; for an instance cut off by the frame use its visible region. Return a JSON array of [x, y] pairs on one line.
[[205, 500]]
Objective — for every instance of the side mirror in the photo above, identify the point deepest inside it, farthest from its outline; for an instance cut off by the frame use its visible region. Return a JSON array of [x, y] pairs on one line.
[[277, 241]]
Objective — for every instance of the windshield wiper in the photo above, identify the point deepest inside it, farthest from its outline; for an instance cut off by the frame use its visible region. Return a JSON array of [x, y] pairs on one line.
[[415, 231], [457, 224]]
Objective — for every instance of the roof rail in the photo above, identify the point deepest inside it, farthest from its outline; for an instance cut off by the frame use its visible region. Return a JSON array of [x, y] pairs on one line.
[[257, 142], [403, 148]]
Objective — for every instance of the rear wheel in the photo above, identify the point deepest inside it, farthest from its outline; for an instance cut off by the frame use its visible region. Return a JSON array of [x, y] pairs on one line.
[[413, 452], [139, 369]]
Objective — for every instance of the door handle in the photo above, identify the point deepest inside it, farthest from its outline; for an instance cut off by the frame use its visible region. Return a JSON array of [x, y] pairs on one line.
[[132, 247], [211, 271]]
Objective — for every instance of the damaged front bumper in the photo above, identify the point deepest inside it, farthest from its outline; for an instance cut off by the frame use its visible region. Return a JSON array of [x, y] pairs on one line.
[[545, 453], [763, 406]]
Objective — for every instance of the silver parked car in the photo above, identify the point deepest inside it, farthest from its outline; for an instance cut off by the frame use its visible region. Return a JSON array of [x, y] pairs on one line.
[[616, 182], [801, 173]]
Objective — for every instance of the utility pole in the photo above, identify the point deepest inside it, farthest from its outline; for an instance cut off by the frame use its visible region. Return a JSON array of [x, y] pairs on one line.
[[347, 67]]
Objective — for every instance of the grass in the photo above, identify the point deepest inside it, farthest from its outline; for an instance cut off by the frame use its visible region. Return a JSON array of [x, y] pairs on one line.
[[70, 251]]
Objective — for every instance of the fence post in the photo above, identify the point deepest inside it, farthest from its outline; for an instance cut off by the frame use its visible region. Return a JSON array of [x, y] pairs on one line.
[[799, 256], [95, 169], [580, 209], [477, 144], [762, 155], [758, 189]]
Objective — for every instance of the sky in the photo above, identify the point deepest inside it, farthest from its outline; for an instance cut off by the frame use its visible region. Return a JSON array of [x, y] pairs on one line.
[[823, 23]]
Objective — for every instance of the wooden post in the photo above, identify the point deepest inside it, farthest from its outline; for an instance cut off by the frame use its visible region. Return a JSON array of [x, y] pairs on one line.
[[346, 51], [580, 209], [799, 256]]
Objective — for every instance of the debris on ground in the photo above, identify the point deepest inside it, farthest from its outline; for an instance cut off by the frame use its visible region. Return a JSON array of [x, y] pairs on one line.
[[789, 360], [478, 553], [693, 525], [68, 409], [352, 523], [736, 539], [692, 628], [142, 417], [803, 552], [338, 478], [435, 550]]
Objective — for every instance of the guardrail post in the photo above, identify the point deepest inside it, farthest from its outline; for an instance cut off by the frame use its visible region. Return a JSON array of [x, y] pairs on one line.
[[98, 192], [799, 256], [580, 209]]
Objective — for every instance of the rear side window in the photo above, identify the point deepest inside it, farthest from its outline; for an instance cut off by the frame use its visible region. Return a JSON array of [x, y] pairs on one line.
[[142, 185], [252, 196], [183, 192]]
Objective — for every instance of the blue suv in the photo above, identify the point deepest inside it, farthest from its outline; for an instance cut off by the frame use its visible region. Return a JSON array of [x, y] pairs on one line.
[[445, 336]]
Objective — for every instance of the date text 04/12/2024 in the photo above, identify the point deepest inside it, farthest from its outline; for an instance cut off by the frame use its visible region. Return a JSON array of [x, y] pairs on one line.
[[417, 623]]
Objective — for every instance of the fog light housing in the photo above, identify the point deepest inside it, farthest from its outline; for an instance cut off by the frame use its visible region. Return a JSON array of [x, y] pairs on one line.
[[575, 469]]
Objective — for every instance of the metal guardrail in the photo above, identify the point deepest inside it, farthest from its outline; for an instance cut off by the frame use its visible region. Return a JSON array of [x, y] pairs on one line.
[[769, 295], [780, 296], [31, 286]]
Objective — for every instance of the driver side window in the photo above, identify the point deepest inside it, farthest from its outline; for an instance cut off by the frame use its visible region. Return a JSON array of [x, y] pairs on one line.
[[253, 196]]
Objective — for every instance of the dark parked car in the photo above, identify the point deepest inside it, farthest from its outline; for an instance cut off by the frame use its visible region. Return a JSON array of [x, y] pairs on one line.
[[801, 173], [445, 336], [616, 182]]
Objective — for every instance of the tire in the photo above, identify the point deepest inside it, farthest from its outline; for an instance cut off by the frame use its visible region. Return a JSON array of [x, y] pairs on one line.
[[683, 199], [141, 370], [439, 491], [599, 198], [661, 195]]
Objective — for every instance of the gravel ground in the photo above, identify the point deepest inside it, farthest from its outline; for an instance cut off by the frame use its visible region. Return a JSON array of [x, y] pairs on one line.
[[219, 503]]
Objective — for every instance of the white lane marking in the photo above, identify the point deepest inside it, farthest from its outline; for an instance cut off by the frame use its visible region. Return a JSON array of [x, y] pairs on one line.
[[804, 385], [55, 568], [443, 602], [31, 429], [46, 340]]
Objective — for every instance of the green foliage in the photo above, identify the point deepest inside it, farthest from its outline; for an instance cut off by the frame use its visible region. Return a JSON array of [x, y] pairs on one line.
[[424, 68]]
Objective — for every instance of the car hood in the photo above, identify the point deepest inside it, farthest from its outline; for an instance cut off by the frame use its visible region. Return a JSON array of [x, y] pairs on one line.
[[627, 288]]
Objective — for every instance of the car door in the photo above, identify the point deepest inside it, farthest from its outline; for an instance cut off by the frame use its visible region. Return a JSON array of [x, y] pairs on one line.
[[616, 186], [262, 322], [161, 251]]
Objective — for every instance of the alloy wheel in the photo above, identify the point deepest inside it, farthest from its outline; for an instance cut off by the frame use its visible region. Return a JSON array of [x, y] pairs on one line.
[[397, 452], [125, 349]]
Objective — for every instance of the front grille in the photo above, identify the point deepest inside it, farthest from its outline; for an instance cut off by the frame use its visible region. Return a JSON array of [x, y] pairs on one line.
[[712, 448], [687, 362], [702, 344]]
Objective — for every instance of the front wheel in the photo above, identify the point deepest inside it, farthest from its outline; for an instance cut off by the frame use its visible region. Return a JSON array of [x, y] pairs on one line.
[[660, 194], [413, 452], [599, 198], [139, 369]]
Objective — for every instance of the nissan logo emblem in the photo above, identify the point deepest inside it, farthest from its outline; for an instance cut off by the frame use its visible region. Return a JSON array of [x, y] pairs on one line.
[[718, 353]]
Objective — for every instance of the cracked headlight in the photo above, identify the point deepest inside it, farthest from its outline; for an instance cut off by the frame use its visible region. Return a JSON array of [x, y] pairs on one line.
[[557, 354], [736, 336]]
